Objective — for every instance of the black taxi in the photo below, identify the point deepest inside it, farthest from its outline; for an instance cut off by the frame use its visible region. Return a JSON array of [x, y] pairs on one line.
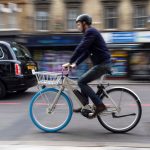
[[16, 65]]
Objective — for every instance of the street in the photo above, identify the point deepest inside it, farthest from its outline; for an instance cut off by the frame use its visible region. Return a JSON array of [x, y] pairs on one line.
[[16, 125]]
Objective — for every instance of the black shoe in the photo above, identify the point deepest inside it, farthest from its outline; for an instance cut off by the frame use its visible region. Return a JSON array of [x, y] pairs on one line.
[[100, 108], [78, 110]]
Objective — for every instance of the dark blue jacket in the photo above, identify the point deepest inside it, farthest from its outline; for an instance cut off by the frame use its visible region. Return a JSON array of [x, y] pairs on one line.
[[93, 45]]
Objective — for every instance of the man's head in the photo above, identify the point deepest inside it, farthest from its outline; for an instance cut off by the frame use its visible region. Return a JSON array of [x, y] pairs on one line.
[[83, 22]]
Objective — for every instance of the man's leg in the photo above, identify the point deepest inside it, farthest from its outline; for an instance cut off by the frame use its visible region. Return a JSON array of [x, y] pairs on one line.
[[91, 75]]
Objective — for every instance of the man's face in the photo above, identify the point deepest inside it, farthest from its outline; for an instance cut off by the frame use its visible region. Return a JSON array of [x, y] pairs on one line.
[[79, 26]]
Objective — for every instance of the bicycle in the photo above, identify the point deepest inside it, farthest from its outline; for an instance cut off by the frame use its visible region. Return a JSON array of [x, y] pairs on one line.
[[51, 108]]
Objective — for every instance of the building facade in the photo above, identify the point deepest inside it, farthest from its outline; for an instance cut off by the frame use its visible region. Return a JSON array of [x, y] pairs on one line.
[[59, 15]]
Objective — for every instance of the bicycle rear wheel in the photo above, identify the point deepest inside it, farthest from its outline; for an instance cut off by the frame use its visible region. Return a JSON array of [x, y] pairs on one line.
[[128, 112], [50, 121]]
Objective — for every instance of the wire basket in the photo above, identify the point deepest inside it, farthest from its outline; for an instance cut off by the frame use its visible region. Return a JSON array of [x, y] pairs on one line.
[[48, 78]]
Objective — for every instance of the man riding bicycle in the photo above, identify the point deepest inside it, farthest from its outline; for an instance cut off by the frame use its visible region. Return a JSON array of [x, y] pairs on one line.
[[92, 45]]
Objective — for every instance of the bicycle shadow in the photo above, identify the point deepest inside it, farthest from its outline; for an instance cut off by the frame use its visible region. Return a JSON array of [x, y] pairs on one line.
[[85, 134]]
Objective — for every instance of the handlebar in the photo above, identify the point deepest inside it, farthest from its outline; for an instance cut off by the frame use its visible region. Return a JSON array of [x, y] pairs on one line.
[[66, 70]]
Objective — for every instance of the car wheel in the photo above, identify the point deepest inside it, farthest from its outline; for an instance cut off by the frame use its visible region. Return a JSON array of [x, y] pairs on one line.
[[2, 90]]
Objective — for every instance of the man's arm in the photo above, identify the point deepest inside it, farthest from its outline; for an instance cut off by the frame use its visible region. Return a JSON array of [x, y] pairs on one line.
[[83, 47], [82, 58]]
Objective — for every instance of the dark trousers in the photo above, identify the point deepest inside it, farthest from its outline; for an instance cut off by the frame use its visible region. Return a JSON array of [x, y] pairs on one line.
[[94, 73]]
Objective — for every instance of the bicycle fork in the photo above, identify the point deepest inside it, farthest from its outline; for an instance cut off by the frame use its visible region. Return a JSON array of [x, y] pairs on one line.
[[51, 107]]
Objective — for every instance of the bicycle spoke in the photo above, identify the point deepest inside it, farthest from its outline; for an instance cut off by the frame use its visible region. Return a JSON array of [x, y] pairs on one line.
[[47, 118], [123, 117]]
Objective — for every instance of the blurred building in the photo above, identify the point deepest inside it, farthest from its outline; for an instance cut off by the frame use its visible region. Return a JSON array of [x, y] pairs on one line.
[[44, 25], [59, 15]]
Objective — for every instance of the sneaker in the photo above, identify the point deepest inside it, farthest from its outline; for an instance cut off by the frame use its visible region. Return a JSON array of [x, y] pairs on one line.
[[78, 110]]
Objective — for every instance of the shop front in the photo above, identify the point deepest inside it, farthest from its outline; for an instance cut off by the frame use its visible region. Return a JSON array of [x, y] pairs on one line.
[[132, 53], [51, 51], [139, 64]]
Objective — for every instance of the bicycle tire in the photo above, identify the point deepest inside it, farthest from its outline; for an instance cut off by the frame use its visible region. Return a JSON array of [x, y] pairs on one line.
[[36, 107], [136, 105]]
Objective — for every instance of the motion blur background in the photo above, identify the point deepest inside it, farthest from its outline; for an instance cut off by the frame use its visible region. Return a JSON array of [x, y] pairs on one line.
[[47, 28]]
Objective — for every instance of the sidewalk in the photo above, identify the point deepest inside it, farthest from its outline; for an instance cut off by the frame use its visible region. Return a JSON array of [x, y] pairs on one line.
[[121, 81], [32, 147], [118, 81], [70, 145]]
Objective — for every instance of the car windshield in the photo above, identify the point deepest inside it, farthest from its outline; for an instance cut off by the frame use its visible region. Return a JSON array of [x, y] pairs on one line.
[[20, 51]]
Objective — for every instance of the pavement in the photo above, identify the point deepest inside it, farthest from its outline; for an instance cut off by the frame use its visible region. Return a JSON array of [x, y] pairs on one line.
[[66, 145], [33, 147], [123, 81], [120, 81]]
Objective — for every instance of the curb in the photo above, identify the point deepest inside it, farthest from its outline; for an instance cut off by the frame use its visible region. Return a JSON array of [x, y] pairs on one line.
[[121, 82], [73, 145], [31, 147]]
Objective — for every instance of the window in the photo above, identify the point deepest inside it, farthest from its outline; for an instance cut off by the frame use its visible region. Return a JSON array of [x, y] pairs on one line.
[[111, 17], [4, 53], [42, 20], [12, 20], [42, 8], [2, 17], [110, 9], [73, 10], [71, 17], [140, 16], [13, 11], [1, 20], [1, 53], [20, 51]]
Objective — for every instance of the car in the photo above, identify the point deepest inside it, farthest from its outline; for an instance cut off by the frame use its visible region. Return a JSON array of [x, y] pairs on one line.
[[16, 65]]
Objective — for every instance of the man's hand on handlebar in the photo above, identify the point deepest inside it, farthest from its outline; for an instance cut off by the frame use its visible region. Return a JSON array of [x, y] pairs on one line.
[[68, 65], [73, 65]]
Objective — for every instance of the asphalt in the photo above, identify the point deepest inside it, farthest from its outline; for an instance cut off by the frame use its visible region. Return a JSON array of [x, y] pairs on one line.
[[14, 145]]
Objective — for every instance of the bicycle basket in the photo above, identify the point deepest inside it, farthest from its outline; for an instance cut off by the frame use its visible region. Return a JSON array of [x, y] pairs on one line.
[[47, 78]]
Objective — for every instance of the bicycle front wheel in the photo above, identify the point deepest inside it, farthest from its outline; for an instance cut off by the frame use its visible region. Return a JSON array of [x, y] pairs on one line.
[[55, 120], [123, 110]]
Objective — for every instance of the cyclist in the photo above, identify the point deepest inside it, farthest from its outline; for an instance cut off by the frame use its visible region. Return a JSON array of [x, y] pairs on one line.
[[92, 45]]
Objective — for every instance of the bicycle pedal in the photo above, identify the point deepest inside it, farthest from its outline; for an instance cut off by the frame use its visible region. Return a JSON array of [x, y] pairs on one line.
[[91, 116]]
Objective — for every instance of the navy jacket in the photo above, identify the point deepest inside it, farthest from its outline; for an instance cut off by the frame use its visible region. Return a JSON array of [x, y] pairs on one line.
[[93, 45]]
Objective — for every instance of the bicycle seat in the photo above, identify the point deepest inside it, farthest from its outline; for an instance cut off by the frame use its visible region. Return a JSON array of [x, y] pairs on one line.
[[108, 72]]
